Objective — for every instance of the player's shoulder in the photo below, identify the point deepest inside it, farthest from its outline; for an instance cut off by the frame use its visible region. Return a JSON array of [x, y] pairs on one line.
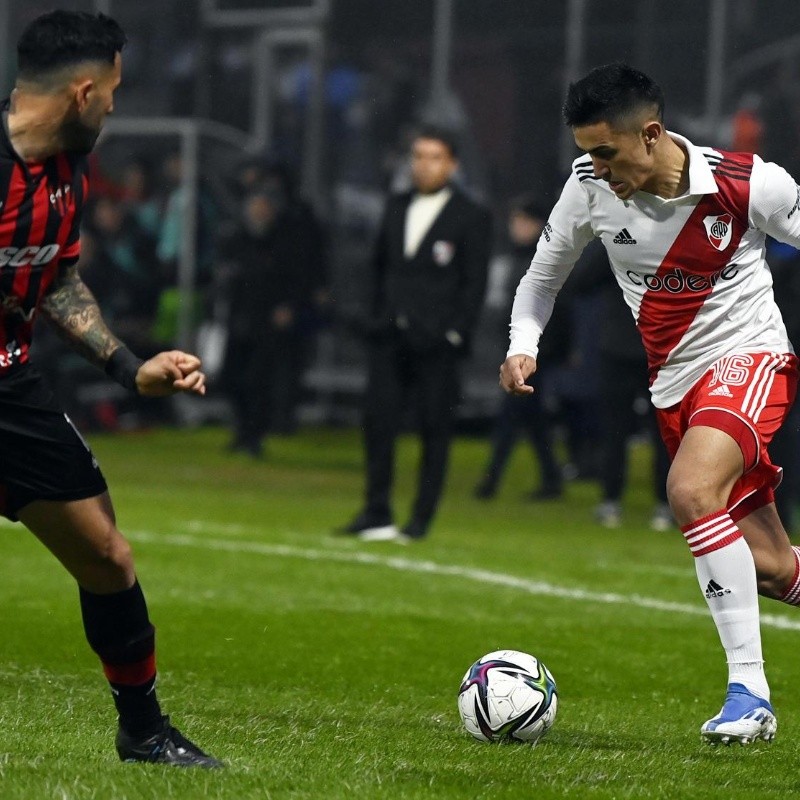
[[728, 164], [583, 170]]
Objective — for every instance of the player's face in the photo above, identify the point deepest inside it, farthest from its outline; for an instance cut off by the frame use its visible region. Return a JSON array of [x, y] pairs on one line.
[[620, 157], [432, 165], [81, 131]]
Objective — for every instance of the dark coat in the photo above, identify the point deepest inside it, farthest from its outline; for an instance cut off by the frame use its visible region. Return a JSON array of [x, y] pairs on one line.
[[442, 287], [618, 338], [276, 269]]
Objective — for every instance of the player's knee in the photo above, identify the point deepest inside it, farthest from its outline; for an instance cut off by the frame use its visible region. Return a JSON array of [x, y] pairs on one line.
[[121, 555], [113, 553], [691, 498]]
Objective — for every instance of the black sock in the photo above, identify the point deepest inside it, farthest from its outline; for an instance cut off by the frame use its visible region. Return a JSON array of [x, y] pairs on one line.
[[118, 629]]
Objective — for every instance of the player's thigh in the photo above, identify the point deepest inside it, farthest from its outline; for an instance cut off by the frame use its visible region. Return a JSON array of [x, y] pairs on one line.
[[83, 536], [705, 468]]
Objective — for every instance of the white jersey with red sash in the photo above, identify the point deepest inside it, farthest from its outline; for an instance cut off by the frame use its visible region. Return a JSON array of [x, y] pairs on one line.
[[692, 268]]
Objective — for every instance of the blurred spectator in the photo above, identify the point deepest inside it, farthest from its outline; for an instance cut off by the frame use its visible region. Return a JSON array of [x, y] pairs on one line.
[[623, 388], [264, 271], [429, 277], [784, 263], [170, 244], [140, 197], [748, 128], [171, 232], [573, 384], [119, 267], [781, 115], [276, 179], [516, 414]]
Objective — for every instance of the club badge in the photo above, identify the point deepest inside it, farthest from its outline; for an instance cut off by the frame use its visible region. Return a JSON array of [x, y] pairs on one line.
[[443, 253], [719, 230]]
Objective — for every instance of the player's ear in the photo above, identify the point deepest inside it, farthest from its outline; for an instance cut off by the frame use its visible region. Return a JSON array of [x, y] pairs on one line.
[[652, 132], [81, 91]]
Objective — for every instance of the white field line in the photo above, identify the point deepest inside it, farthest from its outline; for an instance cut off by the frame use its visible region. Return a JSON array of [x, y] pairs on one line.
[[236, 529], [539, 588]]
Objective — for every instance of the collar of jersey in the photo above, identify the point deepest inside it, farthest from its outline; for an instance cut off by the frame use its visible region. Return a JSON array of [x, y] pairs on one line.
[[701, 178]]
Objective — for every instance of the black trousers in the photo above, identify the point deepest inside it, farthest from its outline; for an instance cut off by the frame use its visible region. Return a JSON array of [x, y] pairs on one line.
[[621, 381], [428, 380], [524, 414], [260, 374]]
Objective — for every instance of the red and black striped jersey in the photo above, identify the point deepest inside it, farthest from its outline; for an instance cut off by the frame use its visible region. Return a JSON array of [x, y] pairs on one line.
[[40, 214]]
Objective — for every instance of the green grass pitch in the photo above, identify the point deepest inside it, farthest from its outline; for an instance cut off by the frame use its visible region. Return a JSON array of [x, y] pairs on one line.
[[320, 667]]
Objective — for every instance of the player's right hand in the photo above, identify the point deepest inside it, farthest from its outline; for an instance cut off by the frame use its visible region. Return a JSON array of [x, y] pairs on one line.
[[514, 371], [170, 372]]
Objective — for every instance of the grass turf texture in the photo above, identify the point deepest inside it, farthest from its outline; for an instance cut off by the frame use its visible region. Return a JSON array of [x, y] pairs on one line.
[[320, 667]]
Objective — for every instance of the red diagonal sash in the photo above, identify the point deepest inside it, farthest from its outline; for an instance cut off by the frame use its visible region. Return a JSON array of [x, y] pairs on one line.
[[690, 270]]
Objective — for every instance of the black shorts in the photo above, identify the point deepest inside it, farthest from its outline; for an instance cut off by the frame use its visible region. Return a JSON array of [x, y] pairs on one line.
[[42, 455]]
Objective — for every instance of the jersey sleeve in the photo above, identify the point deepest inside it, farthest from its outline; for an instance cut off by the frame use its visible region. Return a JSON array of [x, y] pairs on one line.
[[566, 234], [775, 202]]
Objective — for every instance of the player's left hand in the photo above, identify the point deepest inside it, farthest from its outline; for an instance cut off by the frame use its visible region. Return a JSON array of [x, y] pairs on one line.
[[170, 372]]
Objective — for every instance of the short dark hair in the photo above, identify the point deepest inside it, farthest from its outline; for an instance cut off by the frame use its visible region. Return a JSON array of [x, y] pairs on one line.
[[65, 38], [444, 135], [611, 93]]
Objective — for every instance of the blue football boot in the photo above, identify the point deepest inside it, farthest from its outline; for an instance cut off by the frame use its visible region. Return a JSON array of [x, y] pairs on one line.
[[744, 718]]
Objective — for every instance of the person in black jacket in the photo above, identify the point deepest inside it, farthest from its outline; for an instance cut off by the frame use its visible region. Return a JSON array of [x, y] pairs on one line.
[[623, 379], [784, 264], [526, 220], [265, 277], [429, 277]]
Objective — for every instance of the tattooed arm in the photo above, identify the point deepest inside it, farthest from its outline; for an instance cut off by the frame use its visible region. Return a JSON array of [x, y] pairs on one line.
[[72, 309]]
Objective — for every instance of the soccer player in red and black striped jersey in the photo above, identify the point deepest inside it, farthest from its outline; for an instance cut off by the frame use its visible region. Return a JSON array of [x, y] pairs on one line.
[[69, 67]]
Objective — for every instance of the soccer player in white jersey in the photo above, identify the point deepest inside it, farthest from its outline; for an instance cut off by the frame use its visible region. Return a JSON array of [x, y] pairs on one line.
[[684, 227]]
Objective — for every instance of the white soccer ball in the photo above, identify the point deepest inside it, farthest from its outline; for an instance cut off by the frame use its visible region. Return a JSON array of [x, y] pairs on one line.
[[508, 695]]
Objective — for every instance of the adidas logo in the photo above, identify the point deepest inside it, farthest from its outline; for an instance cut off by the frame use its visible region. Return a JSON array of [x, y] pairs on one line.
[[721, 391], [623, 237], [715, 590]]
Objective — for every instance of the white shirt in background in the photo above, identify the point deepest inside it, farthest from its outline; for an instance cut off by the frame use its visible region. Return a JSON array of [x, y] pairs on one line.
[[422, 211]]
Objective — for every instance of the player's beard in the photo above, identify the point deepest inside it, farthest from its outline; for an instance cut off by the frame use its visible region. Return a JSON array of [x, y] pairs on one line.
[[78, 136]]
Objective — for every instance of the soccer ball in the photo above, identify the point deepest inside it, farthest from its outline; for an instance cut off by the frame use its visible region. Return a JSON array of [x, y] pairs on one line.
[[508, 695]]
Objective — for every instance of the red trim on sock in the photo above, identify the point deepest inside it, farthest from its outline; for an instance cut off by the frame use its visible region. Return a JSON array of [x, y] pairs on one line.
[[131, 674], [792, 594], [710, 533]]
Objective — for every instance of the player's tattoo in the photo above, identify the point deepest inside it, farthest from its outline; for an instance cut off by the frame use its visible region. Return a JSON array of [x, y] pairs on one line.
[[72, 309]]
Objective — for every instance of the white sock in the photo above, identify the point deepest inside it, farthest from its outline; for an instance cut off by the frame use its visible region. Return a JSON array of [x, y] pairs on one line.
[[727, 576]]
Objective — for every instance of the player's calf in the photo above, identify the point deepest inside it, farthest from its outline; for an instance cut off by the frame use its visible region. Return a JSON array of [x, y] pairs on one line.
[[791, 591]]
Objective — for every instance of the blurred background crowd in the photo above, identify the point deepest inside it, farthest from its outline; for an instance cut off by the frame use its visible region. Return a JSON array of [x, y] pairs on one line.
[[238, 188]]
